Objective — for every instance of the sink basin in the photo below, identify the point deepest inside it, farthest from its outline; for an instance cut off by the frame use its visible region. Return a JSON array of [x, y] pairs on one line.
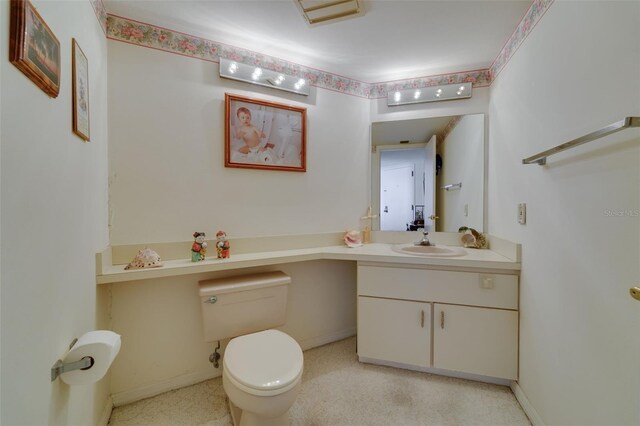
[[429, 251]]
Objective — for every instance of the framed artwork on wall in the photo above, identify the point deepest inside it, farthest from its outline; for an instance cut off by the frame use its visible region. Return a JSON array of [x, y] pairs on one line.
[[80, 83], [264, 135], [33, 48]]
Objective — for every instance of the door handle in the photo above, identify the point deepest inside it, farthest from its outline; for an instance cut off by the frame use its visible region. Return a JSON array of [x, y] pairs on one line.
[[442, 319], [386, 209], [422, 318]]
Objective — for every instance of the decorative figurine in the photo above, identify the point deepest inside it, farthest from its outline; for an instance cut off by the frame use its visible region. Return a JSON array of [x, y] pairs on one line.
[[199, 247], [352, 239], [222, 245], [472, 239], [366, 233], [146, 258]]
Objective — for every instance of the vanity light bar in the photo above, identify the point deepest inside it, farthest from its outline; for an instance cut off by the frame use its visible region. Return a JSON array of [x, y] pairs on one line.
[[263, 77], [428, 94]]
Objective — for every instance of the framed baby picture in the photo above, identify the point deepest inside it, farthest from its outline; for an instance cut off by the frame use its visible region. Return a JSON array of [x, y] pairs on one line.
[[264, 135], [33, 48], [80, 84]]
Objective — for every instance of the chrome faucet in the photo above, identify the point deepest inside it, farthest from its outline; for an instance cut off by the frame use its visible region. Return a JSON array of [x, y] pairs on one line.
[[425, 238]]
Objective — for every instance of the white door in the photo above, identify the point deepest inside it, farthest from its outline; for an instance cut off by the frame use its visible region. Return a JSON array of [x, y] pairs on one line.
[[394, 330], [430, 184], [396, 197]]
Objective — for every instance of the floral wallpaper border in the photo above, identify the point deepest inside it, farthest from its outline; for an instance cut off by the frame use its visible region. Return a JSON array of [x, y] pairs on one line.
[[148, 35], [524, 28], [101, 13], [143, 34], [449, 128]]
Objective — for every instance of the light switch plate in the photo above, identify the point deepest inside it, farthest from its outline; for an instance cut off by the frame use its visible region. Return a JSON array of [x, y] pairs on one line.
[[522, 213]]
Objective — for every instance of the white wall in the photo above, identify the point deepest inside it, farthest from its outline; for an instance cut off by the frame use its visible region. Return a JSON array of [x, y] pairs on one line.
[[54, 220], [579, 70], [166, 120], [161, 324], [463, 162]]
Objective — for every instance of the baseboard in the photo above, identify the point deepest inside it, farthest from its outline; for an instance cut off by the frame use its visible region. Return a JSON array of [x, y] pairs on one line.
[[531, 412], [106, 413], [438, 371], [127, 397], [324, 339]]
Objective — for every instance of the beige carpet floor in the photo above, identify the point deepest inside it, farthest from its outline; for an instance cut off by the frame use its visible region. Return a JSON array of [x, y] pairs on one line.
[[337, 390]]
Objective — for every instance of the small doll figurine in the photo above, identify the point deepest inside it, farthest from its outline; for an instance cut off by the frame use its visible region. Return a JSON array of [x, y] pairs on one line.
[[222, 245], [199, 247]]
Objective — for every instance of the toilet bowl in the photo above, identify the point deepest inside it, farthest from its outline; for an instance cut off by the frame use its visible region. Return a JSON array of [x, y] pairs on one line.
[[261, 375]]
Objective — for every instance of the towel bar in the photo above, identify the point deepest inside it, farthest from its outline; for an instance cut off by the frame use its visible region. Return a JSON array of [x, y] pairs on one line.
[[541, 158]]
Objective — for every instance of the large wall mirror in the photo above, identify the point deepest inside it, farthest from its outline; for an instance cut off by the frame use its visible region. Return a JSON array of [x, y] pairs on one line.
[[429, 172]]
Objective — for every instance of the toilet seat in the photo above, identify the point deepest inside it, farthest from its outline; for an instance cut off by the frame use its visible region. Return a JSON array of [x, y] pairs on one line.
[[266, 363]]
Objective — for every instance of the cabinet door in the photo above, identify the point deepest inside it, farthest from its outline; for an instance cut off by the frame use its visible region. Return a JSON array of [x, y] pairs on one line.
[[476, 340], [394, 330]]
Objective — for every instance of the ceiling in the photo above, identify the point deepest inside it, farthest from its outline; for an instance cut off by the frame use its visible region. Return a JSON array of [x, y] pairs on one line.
[[393, 39], [418, 130]]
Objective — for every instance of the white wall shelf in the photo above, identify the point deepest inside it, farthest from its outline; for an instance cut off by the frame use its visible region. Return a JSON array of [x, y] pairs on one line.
[[107, 272]]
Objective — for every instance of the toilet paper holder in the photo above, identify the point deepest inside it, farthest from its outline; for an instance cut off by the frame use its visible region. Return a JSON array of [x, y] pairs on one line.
[[60, 367]]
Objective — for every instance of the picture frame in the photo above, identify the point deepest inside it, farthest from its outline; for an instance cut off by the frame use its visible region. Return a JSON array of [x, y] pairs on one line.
[[419, 212], [34, 48], [80, 91], [264, 135]]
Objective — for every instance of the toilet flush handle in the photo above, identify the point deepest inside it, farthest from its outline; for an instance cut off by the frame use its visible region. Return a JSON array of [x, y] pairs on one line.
[[212, 299]]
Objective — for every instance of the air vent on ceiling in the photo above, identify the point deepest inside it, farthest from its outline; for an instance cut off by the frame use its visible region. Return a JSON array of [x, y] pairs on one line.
[[317, 11]]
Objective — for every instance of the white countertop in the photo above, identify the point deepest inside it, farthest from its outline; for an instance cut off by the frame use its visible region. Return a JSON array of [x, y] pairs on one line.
[[376, 252]]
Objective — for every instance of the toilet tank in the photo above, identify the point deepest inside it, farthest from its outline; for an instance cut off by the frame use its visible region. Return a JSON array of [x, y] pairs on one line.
[[243, 304]]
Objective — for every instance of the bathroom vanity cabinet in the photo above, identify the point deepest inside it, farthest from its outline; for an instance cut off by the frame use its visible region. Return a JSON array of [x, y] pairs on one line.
[[401, 297], [431, 320]]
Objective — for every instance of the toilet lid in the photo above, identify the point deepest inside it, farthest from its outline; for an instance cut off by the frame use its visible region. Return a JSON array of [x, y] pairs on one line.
[[264, 361]]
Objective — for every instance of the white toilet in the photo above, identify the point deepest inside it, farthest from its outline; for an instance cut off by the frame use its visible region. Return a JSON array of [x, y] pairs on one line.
[[262, 368]]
